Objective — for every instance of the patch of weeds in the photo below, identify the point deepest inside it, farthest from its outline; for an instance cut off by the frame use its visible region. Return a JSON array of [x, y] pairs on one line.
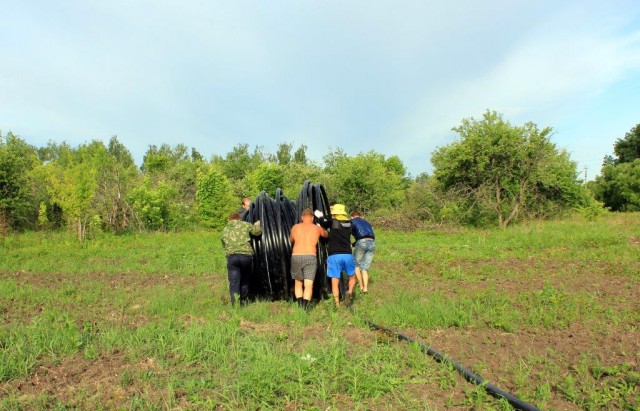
[[126, 379], [553, 308], [595, 386], [453, 273], [447, 379]]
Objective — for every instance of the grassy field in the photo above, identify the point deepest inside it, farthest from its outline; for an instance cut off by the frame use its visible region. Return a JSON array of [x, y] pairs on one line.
[[549, 311]]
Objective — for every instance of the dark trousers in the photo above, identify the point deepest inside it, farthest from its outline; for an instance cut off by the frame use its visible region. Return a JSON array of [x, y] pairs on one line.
[[239, 269]]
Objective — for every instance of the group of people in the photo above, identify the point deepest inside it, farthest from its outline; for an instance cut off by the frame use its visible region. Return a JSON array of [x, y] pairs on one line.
[[304, 236]]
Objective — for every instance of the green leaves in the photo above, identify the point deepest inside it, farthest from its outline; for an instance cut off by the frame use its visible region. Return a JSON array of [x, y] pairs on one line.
[[215, 198], [619, 186], [17, 159], [510, 170], [366, 182]]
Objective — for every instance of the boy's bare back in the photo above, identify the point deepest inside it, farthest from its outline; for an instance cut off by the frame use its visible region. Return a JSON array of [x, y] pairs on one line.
[[304, 237]]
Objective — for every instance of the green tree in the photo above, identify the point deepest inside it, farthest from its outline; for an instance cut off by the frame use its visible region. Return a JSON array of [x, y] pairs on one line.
[[215, 198], [117, 176], [240, 162], [627, 149], [423, 198], [283, 154], [175, 169], [152, 205], [365, 182], [17, 160], [295, 174], [267, 177], [300, 155], [74, 188], [618, 187], [507, 169]]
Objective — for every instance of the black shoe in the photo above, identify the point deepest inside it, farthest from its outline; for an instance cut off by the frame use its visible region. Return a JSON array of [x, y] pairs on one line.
[[299, 301]]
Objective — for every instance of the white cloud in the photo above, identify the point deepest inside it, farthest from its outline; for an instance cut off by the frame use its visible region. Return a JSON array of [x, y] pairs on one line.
[[569, 57]]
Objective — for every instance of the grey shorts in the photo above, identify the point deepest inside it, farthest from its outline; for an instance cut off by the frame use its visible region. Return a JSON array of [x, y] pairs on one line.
[[303, 267], [363, 254]]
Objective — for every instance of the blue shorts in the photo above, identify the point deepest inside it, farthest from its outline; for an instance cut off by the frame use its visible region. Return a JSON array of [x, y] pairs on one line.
[[365, 248], [338, 263]]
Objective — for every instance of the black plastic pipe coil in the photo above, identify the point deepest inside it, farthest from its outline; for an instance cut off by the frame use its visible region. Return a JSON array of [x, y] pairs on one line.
[[272, 250]]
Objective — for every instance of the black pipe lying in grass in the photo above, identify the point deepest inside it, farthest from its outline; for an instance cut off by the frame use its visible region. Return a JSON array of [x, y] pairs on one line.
[[467, 374]]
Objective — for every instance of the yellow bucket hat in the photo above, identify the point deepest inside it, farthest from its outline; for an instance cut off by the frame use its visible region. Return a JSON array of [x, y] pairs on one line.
[[339, 211]]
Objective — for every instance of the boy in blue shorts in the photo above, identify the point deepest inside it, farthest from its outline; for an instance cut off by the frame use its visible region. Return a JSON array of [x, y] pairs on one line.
[[340, 257]]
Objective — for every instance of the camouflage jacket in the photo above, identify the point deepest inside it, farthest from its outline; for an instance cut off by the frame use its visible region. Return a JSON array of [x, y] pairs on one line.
[[235, 236]]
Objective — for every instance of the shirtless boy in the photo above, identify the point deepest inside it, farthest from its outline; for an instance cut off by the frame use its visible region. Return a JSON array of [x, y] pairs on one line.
[[304, 237]]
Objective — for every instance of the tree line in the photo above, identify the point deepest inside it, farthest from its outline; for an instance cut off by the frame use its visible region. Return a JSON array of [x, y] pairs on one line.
[[618, 185], [495, 173]]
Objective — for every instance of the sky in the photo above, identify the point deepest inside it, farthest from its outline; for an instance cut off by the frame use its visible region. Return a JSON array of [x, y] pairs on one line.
[[390, 76]]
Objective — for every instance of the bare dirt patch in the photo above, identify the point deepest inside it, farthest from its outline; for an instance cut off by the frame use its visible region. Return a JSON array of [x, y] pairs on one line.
[[79, 382]]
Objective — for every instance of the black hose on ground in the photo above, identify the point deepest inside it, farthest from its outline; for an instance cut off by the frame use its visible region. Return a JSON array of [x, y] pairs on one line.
[[466, 373]]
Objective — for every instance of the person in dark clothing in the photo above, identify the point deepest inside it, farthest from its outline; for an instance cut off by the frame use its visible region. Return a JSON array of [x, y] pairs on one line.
[[340, 257], [236, 240], [365, 248], [246, 202]]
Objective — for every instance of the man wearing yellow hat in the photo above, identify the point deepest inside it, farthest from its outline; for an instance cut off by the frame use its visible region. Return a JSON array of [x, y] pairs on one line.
[[339, 250]]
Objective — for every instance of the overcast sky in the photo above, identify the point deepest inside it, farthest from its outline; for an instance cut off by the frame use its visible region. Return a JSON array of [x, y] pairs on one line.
[[390, 76]]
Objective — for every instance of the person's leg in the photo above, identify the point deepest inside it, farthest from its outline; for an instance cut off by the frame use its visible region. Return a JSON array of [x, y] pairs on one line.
[[367, 259], [296, 275], [335, 290], [350, 269], [234, 273], [365, 281], [309, 275], [308, 290], [360, 278], [357, 256], [334, 270], [246, 262], [298, 289]]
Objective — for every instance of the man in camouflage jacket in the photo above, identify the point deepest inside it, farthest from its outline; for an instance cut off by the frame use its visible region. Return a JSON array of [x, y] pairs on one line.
[[237, 245]]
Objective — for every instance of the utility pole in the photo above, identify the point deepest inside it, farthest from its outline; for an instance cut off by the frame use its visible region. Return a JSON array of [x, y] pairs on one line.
[[585, 174]]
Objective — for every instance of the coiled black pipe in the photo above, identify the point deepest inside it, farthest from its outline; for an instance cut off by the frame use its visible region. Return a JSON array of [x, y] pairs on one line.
[[272, 249], [466, 373]]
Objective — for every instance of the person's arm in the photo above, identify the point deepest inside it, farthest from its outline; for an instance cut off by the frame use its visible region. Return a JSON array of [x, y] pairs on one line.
[[324, 221], [353, 233], [291, 236], [256, 229], [323, 232]]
